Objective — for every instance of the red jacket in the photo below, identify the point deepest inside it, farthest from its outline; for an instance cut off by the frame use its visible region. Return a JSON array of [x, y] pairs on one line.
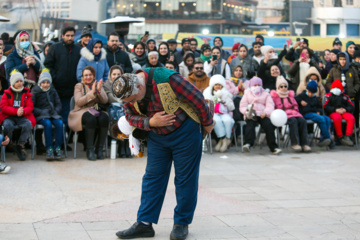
[[7, 103]]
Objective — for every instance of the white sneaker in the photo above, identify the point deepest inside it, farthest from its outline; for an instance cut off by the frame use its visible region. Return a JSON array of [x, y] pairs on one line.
[[277, 151], [4, 168], [218, 145], [246, 147]]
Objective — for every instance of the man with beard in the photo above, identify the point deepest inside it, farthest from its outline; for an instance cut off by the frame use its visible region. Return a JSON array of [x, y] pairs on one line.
[[218, 42], [193, 47], [258, 39], [62, 60], [198, 77], [85, 36], [257, 52], [179, 56], [116, 56]]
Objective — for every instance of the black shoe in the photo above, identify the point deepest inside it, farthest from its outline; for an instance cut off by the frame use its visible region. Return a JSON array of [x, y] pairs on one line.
[[68, 148], [90, 154], [58, 154], [179, 232], [324, 142], [99, 153], [137, 230], [50, 154], [20, 152], [332, 145], [40, 149]]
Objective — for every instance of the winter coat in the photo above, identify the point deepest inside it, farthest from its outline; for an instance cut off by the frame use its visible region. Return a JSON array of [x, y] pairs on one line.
[[7, 103], [230, 86], [262, 103], [119, 58], [226, 97], [14, 61], [294, 71], [108, 89], [313, 104], [82, 104], [320, 91], [46, 104], [269, 82], [248, 64], [139, 60], [289, 104], [225, 54], [184, 70], [292, 55], [225, 69], [333, 102], [4, 83], [179, 56], [62, 60], [201, 83], [352, 80], [101, 67]]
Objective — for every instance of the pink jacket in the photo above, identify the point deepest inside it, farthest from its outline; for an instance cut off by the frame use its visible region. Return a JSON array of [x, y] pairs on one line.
[[290, 107], [230, 86], [262, 103]]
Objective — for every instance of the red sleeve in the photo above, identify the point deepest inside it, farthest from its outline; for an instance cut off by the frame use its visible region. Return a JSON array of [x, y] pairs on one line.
[[5, 107]]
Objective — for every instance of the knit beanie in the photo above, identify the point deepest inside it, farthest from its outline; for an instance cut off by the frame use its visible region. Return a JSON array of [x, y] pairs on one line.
[[265, 49], [337, 84], [44, 76], [305, 40], [222, 42], [86, 31], [255, 81], [312, 86], [337, 41], [349, 43], [235, 47], [260, 36], [280, 80], [15, 76]]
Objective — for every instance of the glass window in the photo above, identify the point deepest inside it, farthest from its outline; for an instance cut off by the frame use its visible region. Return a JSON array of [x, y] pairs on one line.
[[352, 30], [64, 14], [65, 4], [265, 2], [332, 29], [349, 2], [316, 29]]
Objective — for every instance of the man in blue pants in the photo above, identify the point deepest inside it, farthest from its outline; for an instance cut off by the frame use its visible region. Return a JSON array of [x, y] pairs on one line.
[[175, 115]]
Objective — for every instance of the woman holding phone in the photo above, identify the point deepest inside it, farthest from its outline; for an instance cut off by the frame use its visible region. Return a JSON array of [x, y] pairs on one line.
[[217, 65]]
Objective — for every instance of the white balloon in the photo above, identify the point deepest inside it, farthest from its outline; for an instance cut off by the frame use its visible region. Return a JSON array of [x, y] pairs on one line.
[[278, 118], [124, 126]]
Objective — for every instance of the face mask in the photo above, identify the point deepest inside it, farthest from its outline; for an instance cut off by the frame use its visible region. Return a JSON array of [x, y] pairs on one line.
[[256, 90], [25, 44], [336, 91]]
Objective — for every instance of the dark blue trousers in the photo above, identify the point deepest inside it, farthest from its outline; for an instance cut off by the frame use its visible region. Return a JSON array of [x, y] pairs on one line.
[[184, 147]]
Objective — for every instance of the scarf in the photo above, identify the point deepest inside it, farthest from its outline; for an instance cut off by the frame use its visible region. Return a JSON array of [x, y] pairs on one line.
[[204, 58], [91, 46], [23, 53], [163, 58]]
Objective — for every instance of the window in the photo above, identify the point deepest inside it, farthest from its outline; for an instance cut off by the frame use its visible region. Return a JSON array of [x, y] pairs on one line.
[[352, 30], [278, 3], [65, 4], [321, 2], [262, 13], [64, 14], [349, 2], [316, 29], [265, 2], [332, 29]]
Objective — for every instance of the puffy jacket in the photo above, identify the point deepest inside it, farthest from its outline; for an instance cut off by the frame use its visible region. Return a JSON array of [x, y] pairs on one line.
[[119, 58], [62, 60], [313, 104], [230, 86], [333, 102], [352, 80], [7, 103], [294, 71], [88, 59], [321, 90], [248, 65], [289, 104], [262, 103], [226, 96], [46, 104]]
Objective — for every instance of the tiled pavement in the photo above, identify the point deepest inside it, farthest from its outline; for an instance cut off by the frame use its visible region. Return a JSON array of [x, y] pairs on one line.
[[242, 196]]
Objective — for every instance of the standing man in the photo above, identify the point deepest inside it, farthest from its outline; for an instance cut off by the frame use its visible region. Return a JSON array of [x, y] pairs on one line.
[[174, 135], [85, 36], [256, 46], [337, 44], [116, 56], [179, 56], [193, 47], [172, 45], [219, 43], [62, 60], [258, 39], [198, 77]]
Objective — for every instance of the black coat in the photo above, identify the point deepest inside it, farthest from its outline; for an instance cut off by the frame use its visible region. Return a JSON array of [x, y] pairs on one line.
[[313, 104], [62, 60], [333, 102], [46, 104], [119, 58]]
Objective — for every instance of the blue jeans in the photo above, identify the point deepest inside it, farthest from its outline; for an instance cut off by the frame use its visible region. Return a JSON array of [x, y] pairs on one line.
[[322, 120], [184, 148], [58, 124]]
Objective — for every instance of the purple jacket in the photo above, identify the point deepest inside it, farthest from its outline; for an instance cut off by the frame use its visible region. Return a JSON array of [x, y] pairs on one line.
[[289, 104]]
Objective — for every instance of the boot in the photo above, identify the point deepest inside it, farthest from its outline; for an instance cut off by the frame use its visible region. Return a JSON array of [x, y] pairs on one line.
[[99, 152], [101, 142], [89, 138], [218, 145], [225, 145], [127, 149], [40, 148], [121, 149]]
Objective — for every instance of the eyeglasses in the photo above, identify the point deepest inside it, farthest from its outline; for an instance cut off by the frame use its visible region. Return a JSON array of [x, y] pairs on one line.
[[199, 68], [283, 86]]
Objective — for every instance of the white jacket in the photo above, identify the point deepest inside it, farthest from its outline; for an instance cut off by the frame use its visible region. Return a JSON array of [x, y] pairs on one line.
[[226, 96]]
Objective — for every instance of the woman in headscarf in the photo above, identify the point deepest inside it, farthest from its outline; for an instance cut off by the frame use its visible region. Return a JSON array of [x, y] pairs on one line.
[[218, 65], [93, 55], [164, 53], [25, 59], [151, 45], [139, 55], [186, 66]]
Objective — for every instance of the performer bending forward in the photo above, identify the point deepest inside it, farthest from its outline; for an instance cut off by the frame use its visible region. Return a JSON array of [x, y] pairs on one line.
[[175, 118]]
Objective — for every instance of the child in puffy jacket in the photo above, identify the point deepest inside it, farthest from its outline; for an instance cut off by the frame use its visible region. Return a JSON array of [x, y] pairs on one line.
[[17, 111], [284, 99], [339, 106], [311, 109], [223, 106], [260, 101]]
